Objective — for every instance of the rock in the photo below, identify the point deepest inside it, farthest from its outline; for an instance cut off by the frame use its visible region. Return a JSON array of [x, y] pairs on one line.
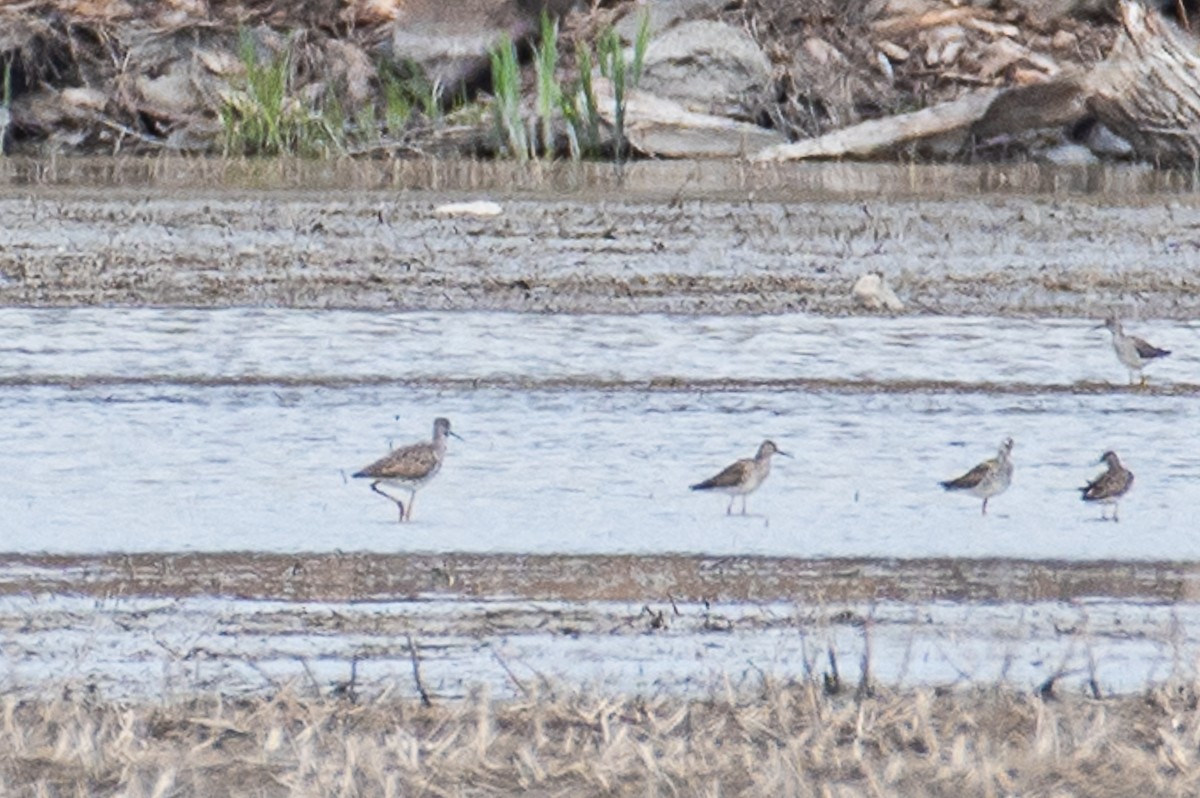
[[1067, 154], [943, 45], [1064, 40], [663, 14], [1106, 144], [169, 80], [999, 56], [83, 97], [348, 61], [1058, 102], [219, 62], [1028, 77], [195, 134], [893, 51], [661, 127], [1047, 13], [449, 42], [993, 29], [871, 291], [708, 67], [370, 12], [172, 93], [821, 52]]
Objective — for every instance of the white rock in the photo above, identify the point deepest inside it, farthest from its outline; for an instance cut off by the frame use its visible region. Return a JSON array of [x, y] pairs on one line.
[[1067, 154], [708, 67], [1107, 144], [476, 208], [872, 292]]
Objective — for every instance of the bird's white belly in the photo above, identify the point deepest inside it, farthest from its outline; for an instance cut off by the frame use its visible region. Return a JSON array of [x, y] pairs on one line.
[[1127, 354], [412, 483], [992, 485]]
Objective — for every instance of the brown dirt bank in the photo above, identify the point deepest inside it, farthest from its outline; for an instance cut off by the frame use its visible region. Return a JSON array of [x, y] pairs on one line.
[[119, 76], [626, 578], [672, 238]]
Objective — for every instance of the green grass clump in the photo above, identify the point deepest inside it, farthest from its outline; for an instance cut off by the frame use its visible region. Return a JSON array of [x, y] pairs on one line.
[[549, 93], [506, 85], [569, 107], [266, 114], [405, 92], [262, 116]]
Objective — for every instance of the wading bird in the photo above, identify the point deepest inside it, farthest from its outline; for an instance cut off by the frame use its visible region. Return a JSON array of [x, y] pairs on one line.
[[410, 467], [1132, 351], [743, 477], [989, 478], [1109, 487]]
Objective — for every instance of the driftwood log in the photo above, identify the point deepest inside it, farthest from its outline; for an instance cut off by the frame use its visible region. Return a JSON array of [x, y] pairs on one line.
[[876, 136], [1148, 89]]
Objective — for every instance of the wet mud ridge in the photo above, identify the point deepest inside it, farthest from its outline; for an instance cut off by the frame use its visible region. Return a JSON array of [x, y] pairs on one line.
[[583, 578], [738, 250]]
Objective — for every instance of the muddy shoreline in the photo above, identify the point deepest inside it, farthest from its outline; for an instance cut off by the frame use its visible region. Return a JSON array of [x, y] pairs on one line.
[[595, 250]]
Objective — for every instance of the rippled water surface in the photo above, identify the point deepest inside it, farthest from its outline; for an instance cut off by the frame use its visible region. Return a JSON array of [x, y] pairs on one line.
[[238, 429]]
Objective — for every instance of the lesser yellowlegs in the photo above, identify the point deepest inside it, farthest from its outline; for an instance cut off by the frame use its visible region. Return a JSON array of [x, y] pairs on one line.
[[1109, 487], [410, 467], [744, 476], [989, 478], [1132, 351]]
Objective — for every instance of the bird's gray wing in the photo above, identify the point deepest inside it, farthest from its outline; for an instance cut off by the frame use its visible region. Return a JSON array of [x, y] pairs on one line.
[[1108, 485], [731, 477], [408, 462], [1147, 350], [972, 478]]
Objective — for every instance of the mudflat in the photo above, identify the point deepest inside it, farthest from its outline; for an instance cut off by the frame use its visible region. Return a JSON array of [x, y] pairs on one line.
[[670, 238]]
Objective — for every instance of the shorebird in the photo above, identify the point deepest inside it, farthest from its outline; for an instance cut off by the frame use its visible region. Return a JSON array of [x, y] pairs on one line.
[[1132, 351], [744, 476], [989, 478], [410, 466], [1109, 487]]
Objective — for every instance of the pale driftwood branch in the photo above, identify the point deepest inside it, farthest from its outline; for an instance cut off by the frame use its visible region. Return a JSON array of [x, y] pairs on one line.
[[1148, 89], [882, 135], [903, 24]]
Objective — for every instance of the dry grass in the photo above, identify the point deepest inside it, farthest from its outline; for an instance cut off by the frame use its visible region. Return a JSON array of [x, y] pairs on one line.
[[784, 740]]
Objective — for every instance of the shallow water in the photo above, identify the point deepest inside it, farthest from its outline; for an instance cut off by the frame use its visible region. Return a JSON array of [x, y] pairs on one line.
[[148, 430], [162, 648]]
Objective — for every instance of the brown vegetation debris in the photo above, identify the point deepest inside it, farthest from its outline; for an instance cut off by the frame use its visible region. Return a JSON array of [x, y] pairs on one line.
[[790, 739]]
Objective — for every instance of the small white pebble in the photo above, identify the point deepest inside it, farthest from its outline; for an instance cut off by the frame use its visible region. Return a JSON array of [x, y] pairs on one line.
[[873, 293]]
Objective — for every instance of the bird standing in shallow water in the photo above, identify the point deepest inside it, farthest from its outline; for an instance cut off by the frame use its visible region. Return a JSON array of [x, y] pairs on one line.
[[744, 476], [989, 478], [1132, 351], [1109, 487], [410, 467]]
